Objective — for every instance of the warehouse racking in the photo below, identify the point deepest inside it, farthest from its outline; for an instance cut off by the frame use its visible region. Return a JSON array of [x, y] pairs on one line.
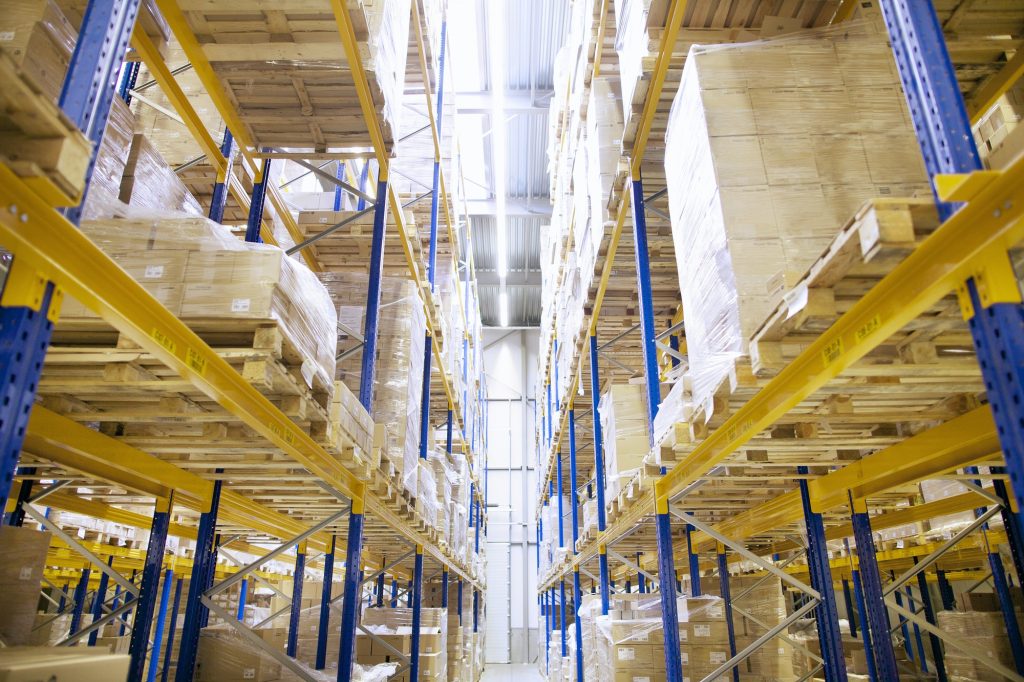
[[756, 481], [308, 495]]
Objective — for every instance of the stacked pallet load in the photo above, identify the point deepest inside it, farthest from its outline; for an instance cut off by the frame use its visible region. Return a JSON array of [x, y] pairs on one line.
[[299, 93], [766, 158], [391, 641], [996, 133], [557, 531], [981, 628], [626, 431]]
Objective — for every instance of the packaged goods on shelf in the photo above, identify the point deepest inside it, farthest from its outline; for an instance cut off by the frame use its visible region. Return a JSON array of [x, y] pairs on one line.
[[771, 146], [62, 664], [388, 28], [50, 629], [40, 39], [996, 127], [398, 384], [554, 528], [985, 633], [624, 425], [205, 275], [225, 656], [149, 184], [354, 421], [20, 577], [105, 185], [393, 631]]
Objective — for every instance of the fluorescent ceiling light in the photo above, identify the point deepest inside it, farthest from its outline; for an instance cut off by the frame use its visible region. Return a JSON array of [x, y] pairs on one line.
[[503, 306], [496, 57]]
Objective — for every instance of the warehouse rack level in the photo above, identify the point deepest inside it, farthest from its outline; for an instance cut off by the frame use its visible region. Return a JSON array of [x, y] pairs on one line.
[[368, 512], [662, 518]]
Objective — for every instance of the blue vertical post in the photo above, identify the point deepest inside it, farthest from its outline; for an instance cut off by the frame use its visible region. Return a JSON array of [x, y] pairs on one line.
[[81, 592], [867, 639], [297, 580], [907, 643], [921, 659], [194, 609], [723, 577], [574, 505], [821, 579], [127, 614], [476, 611], [546, 609], [1012, 524], [339, 200], [946, 591], [444, 588], [595, 396], [63, 599], [561, 614], [929, 615], [459, 598], [170, 633], [98, 600], [394, 593], [641, 582], [161, 622], [243, 595], [219, 198], [17, 517], [694, 563], [259, 194], [149, 589], [1006, 606], [128, 79], [380, 588], [364, 176], [851, 615], [350, 601], [577, 624], [666, 583], [876, 622], [417, 607]]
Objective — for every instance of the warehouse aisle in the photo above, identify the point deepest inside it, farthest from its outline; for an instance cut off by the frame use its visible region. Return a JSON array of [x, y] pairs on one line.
[[510, 673]]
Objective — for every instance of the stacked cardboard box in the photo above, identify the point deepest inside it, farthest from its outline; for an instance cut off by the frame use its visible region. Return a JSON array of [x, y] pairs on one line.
[[770, 148], [200, 271], [349, 415], [625, 427], [40, 39], [399, 374], [985, 632], [70, 664], [995, 129], [392, 630], [20, 578], [149, 184], [224, 656], [102, 200]]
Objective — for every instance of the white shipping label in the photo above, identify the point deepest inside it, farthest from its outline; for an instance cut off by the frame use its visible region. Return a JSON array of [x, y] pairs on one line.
[[644, 678], [718, 657], [6, 36], [240, 305], [25, 573], [642, 637], [627, 653], [685, 658], [683, 634], [701, 630], [154, 271], [248, 673]]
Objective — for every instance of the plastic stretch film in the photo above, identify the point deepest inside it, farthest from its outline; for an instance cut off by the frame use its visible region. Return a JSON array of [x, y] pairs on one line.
[[771, 146], [624, 424], [401, 332], [204, 274], [391, 639]]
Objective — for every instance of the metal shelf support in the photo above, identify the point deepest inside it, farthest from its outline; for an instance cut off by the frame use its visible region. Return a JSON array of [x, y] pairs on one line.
[[875, 617], [194, 609], [723, 579], [259, 194], [219, 199], [149, 590], [595, 397], [170, 635], [866, 636], [325, 605], [161, 620], [821, 580], [417, 608], [296, 609]]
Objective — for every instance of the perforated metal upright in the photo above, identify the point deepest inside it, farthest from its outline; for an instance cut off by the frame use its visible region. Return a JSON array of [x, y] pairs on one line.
[[595, 397], [195, 611]]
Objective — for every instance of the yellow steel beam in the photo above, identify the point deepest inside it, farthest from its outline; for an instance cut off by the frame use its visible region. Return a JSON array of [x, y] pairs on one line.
[[154, 61], [975, 239], [105, 512], [61, 440], [985, 97], [844, 11], [56, 251]]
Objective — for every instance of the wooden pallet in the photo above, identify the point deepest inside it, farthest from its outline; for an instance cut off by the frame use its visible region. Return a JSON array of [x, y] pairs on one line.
[[39, 143]]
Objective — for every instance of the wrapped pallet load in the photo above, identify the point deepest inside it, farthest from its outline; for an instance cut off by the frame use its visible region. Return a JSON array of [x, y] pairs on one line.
[[771, 147]]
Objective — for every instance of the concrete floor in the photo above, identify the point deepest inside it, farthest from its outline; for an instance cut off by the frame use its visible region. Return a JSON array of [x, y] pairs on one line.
[[511, 673]]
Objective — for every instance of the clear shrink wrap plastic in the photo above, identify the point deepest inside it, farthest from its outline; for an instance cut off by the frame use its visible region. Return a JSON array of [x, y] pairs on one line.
[[202, 273], [388, 22], [771, 146], [394, 626], [624, 425], [149, 183], [985, 632], [105, 186], [629, 641], [39, 38], [401, 331], [631, 45]]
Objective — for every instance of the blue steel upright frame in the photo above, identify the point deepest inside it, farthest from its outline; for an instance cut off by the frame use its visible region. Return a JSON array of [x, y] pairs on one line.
[[875, 625], [666, 559], [577, 589], [219, 198], [29, 305], [149, 590], [195, 611], [325, 605], [595, 397]]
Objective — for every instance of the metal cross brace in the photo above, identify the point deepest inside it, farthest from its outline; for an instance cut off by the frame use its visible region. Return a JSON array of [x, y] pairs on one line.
[[740, 549], [71, 542], [257, 641], [274, 553], [256, 576], [631, 564], [934, 556], [97, 624], [965, 648], [782, 635], [315, 170], [388, 566]]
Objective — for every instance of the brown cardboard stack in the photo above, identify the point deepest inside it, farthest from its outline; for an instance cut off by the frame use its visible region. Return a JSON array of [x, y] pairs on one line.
[[40, 39], [624, 424], [64, 664], [770, 148], [204, 274], [352, 418], [20, 578], [985, 632], [996, 127], [765, 603], [399, 372], [456, 647], [148, 182], [105, 186], [394, 627], [225, 657]]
